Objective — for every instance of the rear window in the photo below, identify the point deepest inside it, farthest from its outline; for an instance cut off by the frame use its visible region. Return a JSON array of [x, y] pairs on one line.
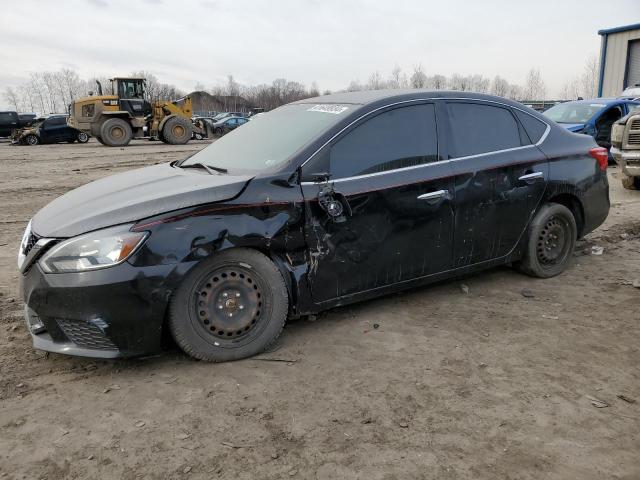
[[479, 128]]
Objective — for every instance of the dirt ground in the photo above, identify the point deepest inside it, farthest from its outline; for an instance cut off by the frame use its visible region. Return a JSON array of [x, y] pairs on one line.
[[499, 382]]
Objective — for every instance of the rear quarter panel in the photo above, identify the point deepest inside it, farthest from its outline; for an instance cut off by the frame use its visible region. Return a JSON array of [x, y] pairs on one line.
[[573, 171]]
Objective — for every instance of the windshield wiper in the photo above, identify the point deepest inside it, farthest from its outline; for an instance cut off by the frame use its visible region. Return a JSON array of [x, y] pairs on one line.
[[211, 170]]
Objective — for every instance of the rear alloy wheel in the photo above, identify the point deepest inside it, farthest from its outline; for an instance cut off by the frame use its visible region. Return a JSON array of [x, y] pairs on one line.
[[177, 131], [116, 132], [83, 137], [552, 238], [229, 307], [630, 183]]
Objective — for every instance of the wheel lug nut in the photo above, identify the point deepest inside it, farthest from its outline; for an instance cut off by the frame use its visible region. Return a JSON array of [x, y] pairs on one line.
[[241, 307], [225, 294], [220, 307], [238, 295]]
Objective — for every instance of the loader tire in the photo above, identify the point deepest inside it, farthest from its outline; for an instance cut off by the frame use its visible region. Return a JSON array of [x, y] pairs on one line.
[[177, 131], [116, 132]]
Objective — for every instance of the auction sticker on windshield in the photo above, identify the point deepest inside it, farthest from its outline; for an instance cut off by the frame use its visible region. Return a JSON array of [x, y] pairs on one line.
[[328, 108]]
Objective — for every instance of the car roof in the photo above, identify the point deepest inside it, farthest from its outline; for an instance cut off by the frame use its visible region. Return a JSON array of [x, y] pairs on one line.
[[366, 97]]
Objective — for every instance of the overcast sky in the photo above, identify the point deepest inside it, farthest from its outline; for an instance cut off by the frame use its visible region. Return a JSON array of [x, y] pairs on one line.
[[327, 41]]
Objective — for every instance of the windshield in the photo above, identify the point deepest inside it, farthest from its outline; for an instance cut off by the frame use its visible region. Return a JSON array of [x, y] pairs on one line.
[[571, 112], [270, 139]]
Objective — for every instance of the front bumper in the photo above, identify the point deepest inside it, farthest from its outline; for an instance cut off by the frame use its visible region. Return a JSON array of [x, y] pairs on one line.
[[109, 313], [629, 161]]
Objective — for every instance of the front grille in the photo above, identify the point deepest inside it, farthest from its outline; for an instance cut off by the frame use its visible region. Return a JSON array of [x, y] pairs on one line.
[[85, 334], [635, 125], [31, 241], [634, 138]]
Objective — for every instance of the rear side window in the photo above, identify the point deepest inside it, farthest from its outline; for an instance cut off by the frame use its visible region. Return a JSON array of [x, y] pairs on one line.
[[534, 127], [57, 121], [478, 128], [398, 138]]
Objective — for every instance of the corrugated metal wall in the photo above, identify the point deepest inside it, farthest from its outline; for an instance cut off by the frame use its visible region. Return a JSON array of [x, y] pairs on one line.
[[616, 62]]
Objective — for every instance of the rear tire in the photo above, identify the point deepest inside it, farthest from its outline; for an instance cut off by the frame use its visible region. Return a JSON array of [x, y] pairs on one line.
[[231, 306], [630, 183], [83, 137], [551, 239], [177, 131], [116, 132]]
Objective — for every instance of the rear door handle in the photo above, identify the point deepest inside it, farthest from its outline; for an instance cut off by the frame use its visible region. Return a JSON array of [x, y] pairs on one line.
[[532, 177], [431, 196]]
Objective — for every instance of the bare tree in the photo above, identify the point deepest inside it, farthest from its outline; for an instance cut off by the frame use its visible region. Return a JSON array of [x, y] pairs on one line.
[[12, 97], [354, 86], [499, 86], [534, 88], [437, 82], [418, 78], [375, 81], [589, 77]]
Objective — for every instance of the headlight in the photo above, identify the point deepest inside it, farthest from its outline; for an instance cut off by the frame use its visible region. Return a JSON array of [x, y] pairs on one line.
[[23, 244], [92, 251]]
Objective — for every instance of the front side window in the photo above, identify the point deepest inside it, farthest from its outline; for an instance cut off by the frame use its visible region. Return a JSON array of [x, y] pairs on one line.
[[398, 138], [479, 128]]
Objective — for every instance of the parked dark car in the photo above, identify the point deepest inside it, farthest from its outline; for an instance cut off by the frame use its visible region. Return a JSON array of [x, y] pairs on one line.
[[227, 124], [51, 129], [316, 204], [10, 121], [593, 117]]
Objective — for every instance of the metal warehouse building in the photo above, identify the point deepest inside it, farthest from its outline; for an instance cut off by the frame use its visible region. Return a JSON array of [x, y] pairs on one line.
[[619, 59]]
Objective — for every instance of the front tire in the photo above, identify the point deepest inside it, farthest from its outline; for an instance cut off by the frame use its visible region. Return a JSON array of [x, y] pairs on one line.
[[177, 131], [231, 306], [32, 139], [116, 132], [83, 137], [552, 237]]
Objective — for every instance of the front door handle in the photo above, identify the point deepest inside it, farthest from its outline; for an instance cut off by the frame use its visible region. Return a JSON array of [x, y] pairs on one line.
[[432, 196], [532, 177]]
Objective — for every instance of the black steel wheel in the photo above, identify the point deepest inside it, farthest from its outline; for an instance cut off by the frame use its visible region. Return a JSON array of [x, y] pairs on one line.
[[228, 302], [551, 239], [229, 307]]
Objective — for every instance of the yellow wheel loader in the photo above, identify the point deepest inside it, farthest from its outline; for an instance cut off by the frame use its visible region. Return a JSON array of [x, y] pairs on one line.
[[117, 118]]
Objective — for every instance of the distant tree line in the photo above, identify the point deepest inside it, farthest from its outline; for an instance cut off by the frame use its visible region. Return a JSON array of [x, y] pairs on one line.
[[52, 92], [49, 92]]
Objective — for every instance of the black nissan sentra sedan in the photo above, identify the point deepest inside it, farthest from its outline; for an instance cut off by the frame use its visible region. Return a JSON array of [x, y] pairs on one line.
[[316, 204]]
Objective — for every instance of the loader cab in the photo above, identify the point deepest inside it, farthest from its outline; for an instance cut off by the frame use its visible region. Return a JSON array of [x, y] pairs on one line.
[[130, 92]]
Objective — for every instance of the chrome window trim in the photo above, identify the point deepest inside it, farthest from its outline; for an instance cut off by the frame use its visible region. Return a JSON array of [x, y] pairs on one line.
[[440, 162]]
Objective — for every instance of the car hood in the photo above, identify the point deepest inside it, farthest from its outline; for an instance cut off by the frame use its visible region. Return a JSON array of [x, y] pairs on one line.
[[132, 196], [573, 127]]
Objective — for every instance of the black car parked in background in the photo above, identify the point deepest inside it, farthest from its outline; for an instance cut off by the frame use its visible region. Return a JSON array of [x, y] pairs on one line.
[[316, 204], [51, 129], [10, 121], [227, 124]]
